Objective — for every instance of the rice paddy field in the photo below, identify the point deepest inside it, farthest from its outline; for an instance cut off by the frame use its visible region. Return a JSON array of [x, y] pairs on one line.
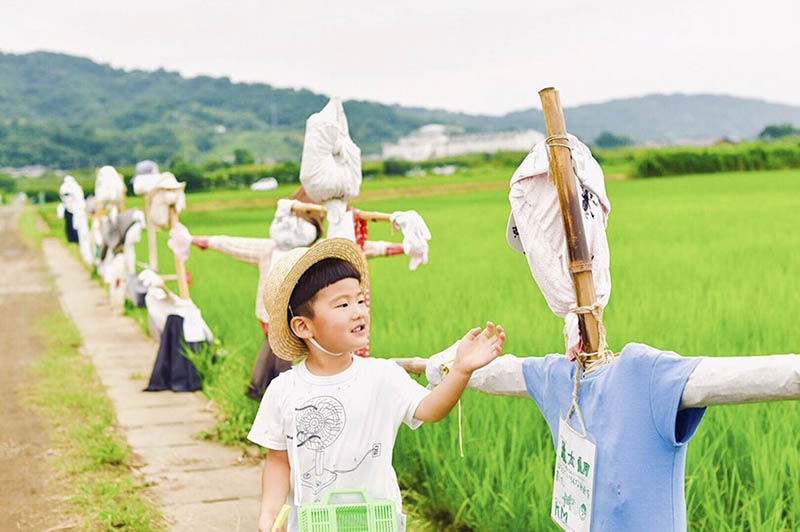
[[701, 265]]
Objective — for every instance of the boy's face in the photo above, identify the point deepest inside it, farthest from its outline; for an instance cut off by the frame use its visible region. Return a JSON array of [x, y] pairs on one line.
[[341, 319]]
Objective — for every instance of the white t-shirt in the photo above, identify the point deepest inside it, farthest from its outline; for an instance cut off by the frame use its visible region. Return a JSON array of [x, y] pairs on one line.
[[338, 430]]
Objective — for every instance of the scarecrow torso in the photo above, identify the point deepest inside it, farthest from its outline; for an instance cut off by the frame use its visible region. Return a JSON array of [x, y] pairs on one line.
[[630, 408]]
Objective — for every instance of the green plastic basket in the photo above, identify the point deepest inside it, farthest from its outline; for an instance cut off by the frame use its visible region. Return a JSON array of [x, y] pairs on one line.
[[347, 511]]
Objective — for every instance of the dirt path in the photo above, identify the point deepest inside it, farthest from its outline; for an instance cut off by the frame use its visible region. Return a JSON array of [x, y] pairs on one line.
[[198, 485], [25, 293]]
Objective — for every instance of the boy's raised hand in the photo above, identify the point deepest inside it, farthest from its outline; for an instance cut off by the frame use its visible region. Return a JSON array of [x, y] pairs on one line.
[[479, 347]]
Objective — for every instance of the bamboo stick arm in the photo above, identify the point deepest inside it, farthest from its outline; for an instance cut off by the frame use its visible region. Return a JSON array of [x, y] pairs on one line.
[[245, 249], [380, 248], [372, 216], [308, 208], [312, 208], [749, 379]]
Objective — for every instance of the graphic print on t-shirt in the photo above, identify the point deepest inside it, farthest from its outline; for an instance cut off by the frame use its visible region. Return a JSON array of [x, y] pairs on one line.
[[319, 424]]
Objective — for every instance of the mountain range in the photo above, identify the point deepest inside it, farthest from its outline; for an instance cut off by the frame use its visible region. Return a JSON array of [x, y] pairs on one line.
[[67, 111]]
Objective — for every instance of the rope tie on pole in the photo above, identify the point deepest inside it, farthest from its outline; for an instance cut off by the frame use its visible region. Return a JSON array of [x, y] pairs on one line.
[[558, 140], [604, 355]]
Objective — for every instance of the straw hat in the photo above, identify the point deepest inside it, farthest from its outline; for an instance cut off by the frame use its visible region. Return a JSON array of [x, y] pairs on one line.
[[282, 279]]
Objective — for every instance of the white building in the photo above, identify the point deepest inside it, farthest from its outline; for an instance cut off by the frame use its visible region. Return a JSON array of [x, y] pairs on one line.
[[433, 141]]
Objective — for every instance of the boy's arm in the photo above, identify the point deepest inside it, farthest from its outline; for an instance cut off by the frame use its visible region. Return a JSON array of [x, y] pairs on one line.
[[502, 376], [475, 350], [274, 488], [749, 379]]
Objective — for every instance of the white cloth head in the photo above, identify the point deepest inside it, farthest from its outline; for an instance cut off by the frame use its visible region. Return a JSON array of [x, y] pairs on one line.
[[165, 191], [536, 229], [331, 163], [108, 186], [71, 194]]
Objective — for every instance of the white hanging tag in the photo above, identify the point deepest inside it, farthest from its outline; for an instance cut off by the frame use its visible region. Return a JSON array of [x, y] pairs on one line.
[[573, 481]]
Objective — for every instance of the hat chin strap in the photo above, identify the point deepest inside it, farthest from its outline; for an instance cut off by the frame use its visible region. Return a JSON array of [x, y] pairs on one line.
[[316, 344]]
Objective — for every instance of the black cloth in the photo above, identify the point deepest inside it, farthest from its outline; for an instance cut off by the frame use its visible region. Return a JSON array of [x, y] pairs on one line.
[[172, 370], [266, 367], [72, 234]]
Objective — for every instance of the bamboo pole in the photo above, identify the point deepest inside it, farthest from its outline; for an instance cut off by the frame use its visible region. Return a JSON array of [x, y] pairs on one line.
[[180, 268], [152, 250], [309, 208], [562, 174], [370, 216]]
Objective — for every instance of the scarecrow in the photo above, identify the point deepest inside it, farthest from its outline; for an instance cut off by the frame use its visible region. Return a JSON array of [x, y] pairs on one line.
[[612, 472], [115, 233], [330, 173], [173, 318], [287, 231], [73, 209]]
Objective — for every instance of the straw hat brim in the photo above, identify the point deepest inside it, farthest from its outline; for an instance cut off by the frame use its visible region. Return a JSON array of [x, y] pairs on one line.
[[282, 279]]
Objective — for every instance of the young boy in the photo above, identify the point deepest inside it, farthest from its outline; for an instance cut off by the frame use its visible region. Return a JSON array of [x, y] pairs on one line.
[[331, 421]]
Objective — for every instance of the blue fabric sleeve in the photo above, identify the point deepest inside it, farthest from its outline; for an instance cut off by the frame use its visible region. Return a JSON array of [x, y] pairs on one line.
[[533, 370], [668, 377]]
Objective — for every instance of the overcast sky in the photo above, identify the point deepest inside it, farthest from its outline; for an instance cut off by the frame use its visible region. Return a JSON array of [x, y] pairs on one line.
[[472, 56]]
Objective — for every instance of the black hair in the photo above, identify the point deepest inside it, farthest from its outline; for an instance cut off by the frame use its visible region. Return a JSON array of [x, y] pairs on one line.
[[318, 276]]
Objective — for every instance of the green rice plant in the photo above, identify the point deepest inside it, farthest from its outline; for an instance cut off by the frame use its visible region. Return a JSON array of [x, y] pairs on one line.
[[702, 265]]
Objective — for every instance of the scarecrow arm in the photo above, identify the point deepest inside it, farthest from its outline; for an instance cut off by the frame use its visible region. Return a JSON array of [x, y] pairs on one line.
[[502, 376], [244, 249], [750, 379], [379, 248]]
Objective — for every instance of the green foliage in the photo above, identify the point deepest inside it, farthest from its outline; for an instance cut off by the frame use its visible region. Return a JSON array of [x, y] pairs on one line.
[[396, 167], [606, 139], [775, 131], [720, 158], [189, 173], [67, 112], [243, 156], [7, 184]]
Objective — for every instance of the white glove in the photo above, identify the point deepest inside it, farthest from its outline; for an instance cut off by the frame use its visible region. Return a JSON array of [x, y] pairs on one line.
[[180, 241], [289, 230], [439, 364], [284, 207], [60, 210], [150, 279], [415, 236]]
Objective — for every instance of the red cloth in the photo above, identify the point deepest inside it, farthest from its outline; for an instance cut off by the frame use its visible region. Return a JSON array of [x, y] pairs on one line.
[[360, 226]]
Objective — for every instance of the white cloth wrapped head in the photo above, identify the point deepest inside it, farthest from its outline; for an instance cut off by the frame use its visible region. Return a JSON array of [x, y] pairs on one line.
[[288, 230], [535, 228], [108, 186], [71, 194], [331, 163], [165, 191], [145, 177]]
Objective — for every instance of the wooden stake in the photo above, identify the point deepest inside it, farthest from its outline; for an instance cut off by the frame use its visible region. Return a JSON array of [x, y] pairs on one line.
[[180, 268], [562, 174], [152, 251]]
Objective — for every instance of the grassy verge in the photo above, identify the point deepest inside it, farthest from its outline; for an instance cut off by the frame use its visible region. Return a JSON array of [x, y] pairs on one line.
[[93, 461], [26, 223]]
